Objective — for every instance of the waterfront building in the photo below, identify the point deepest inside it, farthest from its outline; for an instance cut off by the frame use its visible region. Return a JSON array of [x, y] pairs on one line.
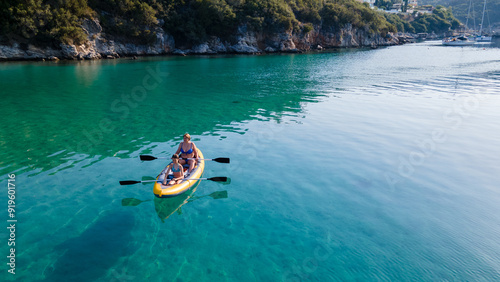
[[412, 3]]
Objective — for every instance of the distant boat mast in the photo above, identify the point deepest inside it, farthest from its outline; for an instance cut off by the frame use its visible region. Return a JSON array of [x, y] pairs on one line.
[[482, 19], [470, 14]]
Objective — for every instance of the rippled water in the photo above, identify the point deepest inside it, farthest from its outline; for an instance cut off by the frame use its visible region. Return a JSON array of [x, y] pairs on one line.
[[350, 165]]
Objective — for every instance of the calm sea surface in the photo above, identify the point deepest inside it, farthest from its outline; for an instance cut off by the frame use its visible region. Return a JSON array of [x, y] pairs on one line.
[[366, 165]]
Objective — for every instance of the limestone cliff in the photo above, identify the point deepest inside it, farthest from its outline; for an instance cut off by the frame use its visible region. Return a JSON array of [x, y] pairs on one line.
[[245, 42]]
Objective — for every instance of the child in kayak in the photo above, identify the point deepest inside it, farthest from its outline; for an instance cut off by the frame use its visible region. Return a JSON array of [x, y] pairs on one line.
[[176, 169]]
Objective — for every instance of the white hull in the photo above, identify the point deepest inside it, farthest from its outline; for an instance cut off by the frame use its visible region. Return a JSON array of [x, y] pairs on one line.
[[457, 42], [483, 39]]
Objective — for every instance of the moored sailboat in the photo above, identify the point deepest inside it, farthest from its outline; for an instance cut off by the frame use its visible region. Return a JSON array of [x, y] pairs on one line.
[[461, 40]]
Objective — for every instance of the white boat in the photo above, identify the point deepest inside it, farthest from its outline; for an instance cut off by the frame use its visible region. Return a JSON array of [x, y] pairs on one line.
[[458, 41], [483, 39], [478, 38]]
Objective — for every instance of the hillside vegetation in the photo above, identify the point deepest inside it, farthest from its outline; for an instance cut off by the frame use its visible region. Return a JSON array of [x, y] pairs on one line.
[[440, 21], [460, 9], [51, 22]]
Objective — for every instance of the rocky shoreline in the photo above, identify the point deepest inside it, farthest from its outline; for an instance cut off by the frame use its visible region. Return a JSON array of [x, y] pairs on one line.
[[246, 42]]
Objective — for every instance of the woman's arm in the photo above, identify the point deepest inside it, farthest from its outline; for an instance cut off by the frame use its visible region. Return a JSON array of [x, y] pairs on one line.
[[166, 174], [195, 150], [178, 149]]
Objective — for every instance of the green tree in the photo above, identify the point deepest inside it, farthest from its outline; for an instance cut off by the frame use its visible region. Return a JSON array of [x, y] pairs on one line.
[[194, 21], [383, 4], [419, 27]]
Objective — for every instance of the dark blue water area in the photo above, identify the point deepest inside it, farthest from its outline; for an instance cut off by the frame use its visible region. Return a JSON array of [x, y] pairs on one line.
[[90, 255]]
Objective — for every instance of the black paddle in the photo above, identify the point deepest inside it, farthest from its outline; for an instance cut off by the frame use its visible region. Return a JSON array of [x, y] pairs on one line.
[[216, 179], [151, 158]]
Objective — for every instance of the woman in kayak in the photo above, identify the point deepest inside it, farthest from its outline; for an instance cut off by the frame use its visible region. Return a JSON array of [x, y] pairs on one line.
[[176, 169], [188, 151]]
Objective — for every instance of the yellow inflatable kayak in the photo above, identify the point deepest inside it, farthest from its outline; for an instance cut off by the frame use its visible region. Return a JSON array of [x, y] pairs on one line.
[[165, 191]]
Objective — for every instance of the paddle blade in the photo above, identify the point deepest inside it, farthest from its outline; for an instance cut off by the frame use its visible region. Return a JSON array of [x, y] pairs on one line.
[[218, 179], [221, 160], [129, 182], [130, 202], [147, 158], [219, 195]]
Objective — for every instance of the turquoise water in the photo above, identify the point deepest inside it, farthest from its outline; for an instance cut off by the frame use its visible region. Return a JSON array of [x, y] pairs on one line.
[[350, 165]]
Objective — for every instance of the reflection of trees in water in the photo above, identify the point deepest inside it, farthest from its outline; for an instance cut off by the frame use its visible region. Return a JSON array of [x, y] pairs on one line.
[[92, 114]]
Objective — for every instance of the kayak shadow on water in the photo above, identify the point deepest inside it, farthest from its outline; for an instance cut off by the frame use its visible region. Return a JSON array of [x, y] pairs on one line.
[[165, 207], [91, 255]]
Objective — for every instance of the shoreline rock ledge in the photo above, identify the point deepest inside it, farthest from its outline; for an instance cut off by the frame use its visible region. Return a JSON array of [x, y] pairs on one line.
[[99, 46]]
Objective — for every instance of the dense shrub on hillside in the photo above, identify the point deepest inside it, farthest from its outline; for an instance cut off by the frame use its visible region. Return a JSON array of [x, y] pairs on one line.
[[194, 21], [439, 21], [339, 13], [384, 4], [271, 15], [460, 10], [396, 21], [44, 22], [133, 19], [306, 10]]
